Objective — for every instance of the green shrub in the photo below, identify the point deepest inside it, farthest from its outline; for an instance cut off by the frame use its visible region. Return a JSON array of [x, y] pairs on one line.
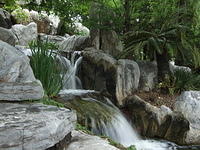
[[21, 16], [45, 68], [181, 81]]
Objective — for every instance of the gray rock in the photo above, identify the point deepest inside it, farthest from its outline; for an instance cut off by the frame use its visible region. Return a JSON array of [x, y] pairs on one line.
[[17, 81], [101, 72], [151, 121], [148, 75], [98, 71], [128, 75], [7, 36], [188, 103], [25, 34], [110, 43], [100, 58], [74, 43], [174, 67], [67, 43], [52, 38], [33, 126], [16, 91], [83, 141], [5, 19], [107, 41]]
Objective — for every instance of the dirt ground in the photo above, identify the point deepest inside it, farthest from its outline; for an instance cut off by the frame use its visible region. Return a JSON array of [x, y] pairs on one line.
[[157, 98]]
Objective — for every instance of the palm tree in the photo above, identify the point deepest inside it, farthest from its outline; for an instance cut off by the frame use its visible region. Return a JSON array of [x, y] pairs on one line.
[[159, 45]]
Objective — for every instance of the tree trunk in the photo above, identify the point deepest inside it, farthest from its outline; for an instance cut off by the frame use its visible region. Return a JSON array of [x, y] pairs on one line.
[[127, 15], [163, 65]]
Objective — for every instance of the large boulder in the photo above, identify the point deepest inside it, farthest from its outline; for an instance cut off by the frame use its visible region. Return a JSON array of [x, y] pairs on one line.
[[188, 103], [34, 126], [83, 141], [154, 122], [25, 34], [17, 81], [106, 40], [7, 36], [98, 71], [148, 75], [128, 75], [101, 72], [5, 19]]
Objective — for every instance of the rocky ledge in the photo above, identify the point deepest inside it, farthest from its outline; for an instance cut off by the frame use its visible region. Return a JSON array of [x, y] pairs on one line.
[[34, 126], [82, 141]]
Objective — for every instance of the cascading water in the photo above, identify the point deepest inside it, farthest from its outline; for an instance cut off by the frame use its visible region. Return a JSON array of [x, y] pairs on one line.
[[70, 80], [115, 125], [109, 121]]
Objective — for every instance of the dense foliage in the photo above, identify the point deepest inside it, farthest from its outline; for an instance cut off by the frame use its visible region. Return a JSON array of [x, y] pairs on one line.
[[45, 68], [160, 30]]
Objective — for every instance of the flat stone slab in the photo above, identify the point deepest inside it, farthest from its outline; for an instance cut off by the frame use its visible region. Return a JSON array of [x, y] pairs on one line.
[[83, 141], [16, 91], [33, 126]]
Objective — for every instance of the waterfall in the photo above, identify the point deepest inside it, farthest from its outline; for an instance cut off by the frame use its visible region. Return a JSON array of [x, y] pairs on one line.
[[70, 80], [103, 118]]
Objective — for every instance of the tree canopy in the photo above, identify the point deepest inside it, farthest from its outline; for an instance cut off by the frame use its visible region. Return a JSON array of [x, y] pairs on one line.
[[150, 29]]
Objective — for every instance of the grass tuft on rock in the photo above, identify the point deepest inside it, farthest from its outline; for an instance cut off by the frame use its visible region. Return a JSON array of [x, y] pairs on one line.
[[45, 67]]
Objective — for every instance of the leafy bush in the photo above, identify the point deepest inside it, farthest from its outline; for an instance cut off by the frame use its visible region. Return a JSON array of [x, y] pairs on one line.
[[10, 5], [45, 68], [181, 81], [21, 16]]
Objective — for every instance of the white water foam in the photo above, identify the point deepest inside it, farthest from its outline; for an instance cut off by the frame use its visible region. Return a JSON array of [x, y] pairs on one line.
[[70, 80], [121, 131], [75, 92]]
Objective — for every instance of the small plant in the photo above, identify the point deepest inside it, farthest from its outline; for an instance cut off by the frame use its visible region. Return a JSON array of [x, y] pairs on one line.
[[45, 68], [181, 81], [83, 128], [47, 101]]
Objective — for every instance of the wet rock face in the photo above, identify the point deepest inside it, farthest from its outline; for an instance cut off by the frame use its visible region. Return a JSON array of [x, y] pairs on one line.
[[148, 75], [152, 122], [98, 71], [101, 72], [128, 75], [33, 126], [188, 103], [17, 81]]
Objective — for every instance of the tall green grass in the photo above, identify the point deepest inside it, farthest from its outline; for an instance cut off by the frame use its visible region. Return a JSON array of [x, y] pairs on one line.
[[45, 68]]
